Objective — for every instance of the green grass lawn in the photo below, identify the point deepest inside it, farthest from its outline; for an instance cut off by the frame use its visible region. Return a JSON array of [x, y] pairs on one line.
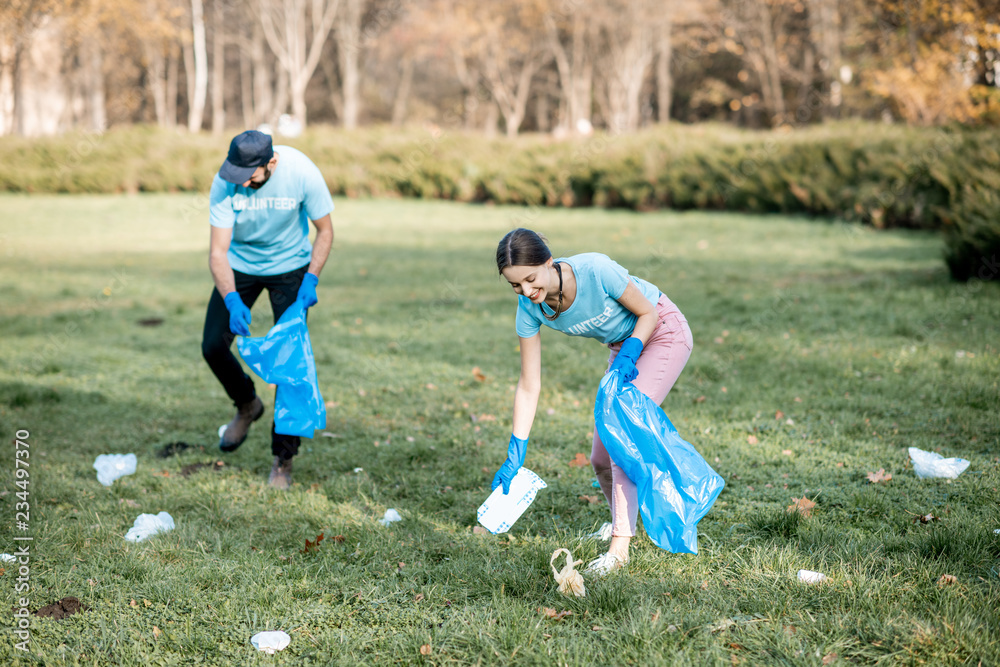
[[856, 337]]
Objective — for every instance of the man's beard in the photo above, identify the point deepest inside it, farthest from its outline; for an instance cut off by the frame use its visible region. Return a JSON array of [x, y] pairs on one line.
[[258, 186]]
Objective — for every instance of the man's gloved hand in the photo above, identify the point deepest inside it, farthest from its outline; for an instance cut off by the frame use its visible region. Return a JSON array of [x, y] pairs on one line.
[[239, 314], [307, 290], [515, 459], [627, 356]]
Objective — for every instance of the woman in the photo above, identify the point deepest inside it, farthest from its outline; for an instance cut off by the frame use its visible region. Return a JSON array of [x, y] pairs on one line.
[[590, 295]]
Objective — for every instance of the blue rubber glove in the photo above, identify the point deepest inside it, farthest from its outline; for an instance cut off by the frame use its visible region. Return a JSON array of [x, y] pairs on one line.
[[627, 356], [239, 314], [307, 290], [515, 459]]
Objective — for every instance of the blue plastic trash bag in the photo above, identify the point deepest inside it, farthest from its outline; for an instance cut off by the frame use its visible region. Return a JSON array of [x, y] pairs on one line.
[[676, 486], [284, 357]]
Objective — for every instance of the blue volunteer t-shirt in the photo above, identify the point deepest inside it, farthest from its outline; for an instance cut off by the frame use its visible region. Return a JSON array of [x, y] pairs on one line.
[[271, 225], [595, 313]]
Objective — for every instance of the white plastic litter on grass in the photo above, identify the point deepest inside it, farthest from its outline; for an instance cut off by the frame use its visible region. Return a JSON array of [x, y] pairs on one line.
[[932, 464], [810, 577], [110, 467], [7, 558], [499, 512], [270, 641], [147, 525], [391, 516], [603, 534]]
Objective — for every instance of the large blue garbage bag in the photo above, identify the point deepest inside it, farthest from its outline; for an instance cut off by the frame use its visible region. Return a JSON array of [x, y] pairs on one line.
[[676, 486], [284, 357]]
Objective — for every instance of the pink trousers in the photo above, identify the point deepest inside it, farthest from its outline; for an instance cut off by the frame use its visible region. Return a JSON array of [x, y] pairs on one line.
[[660, 364]]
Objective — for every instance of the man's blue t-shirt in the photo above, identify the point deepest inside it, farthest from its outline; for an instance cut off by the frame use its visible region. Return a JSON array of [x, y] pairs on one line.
[[595, 313], [271, 225]]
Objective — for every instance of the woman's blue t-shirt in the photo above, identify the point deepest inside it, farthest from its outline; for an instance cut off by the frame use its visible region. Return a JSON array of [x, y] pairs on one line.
[[595, 313]]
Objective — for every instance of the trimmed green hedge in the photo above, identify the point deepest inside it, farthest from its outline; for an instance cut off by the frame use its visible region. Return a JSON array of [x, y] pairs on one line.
[[886, 176]]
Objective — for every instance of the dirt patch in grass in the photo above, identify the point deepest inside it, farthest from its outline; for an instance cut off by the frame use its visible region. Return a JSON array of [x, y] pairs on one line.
[[175, 448], [195, 467], [60, 609]]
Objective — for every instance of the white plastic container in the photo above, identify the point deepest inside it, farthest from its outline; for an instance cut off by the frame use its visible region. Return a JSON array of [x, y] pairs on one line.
[[500, 511]]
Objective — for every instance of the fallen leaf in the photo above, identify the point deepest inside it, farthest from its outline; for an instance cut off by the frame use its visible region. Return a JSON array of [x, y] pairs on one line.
[[425, 649], [419, 597], [597, 628], [431, 385], [478, 374], [549, 612], [593, 500], [156, 631], [779, 415], [704, 585], [479, 530], [786, 452], [700, 399], [880, 476], [947, 580], [752, 439], [580, 460], [133, 603], [840, 465], [656, 617], [312, 545], [339, 539], [802, 505], [829, 658], [925, 518], [127, 501]]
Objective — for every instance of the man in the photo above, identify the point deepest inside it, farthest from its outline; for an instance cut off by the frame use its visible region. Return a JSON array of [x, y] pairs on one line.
[[261, 202]]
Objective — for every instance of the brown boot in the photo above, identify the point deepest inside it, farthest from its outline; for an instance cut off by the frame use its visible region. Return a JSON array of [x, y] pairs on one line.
[[236, 431], [281, 474]]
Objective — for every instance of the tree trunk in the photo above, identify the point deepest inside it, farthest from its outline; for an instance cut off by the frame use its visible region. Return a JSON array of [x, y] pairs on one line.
[[155, 71], [246, 89], [773, 71], [96, 106], [218, 67], [263, 92], [664, 80], [492, 118], [196, 111], [402, 92], [172, 82], [349, 49]]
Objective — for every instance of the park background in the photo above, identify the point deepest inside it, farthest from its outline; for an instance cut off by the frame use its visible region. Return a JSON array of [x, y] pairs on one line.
[[816, 184]]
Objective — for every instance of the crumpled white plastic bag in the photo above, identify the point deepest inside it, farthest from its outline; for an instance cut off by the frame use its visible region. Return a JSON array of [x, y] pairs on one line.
[[270, 641], [570, 581], [147, 525], [110, 467], [391, 516], [932, 464]]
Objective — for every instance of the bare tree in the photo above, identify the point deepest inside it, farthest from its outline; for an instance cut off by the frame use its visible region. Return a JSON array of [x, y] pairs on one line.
[[571, 40], [348, 53], [198, 87], [218, 66], [628, 31], [296, 31]]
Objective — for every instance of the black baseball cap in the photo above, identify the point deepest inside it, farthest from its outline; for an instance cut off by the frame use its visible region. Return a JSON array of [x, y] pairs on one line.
[[247, 151]]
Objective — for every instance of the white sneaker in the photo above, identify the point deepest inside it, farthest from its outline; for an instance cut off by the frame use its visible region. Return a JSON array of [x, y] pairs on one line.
[[604, 534], [603, 565]]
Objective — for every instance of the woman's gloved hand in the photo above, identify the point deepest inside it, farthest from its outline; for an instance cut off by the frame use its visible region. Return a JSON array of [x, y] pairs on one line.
[[626, 358], [515, 459]]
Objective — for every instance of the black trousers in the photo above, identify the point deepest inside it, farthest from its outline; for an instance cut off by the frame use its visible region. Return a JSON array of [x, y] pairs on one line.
[[217, 340]]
